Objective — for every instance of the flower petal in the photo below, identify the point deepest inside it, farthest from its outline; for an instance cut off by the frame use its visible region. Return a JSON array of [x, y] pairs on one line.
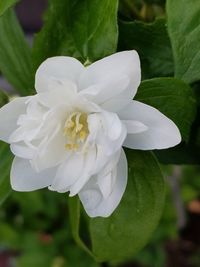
[[9, 115], [117, 75], [84, 168], [112, 125], [107, 131], [106, 178], [60, 92], [116, 104], [24, 178], [102, 93], [135, 126], [161, 133], [60, 68], [22, 150], [51, 151], [89, 163], [68, 173], [98, 204]]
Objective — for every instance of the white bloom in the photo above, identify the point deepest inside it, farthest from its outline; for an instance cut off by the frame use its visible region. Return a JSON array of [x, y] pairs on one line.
[[69, 136]]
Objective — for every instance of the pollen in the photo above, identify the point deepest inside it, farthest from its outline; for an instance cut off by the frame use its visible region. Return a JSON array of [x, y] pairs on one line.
[[76, 130], [71, 146], [68, 146], [82, 135], [70, 124]]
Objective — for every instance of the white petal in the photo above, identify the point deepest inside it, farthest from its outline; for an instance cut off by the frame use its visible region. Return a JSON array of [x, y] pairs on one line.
[[106, 178], [135, 126], [51, 152], [68, 172], [94, 162], [74, 173], [24, 178], [116, 104], [105, 184], [110, 164], [9, 115], [112, 125], [86, 106], [110, 147], [61, 92], [107, 131], [22, 150], [34, 109], [89, 163], [92, 199], [25, 133], [102, 92], [60, 68], [119, 76], [161, 133]]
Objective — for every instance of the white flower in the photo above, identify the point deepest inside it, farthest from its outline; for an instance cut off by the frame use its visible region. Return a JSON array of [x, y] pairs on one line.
[[69, 136]]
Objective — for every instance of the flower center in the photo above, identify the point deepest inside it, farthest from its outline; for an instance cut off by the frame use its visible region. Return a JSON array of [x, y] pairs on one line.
[[76, 130]]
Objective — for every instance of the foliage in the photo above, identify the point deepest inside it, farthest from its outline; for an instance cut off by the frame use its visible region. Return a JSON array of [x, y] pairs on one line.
[[15, 54], [5, 4], [152, 43], [184, 35], [80, 30], [147, 200]]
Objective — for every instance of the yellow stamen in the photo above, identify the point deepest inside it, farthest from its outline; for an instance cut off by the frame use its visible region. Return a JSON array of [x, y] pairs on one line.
[[70, 124], [82, 135], [68, 146], [76, 130], [79, 127], [75, 146]]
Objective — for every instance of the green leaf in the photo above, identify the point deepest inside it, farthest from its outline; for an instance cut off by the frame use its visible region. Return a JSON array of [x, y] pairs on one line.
[[129, 228], [5, 163], [84, 29], [3, 98], [15, 56], [181, 154], [5, 4], [160, 2], [152, 43], [184, 153], [173, 98], [184, 31]]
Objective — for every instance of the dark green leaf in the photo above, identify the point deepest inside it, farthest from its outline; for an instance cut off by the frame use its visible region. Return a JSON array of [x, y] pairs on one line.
[[173, 98], [181, 154], [15, 56], [3, 99], [152, 43], [184, 153], [84, 29], [5, 4], [184, 31], [129, 228], [5, 163], [160, 2]]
